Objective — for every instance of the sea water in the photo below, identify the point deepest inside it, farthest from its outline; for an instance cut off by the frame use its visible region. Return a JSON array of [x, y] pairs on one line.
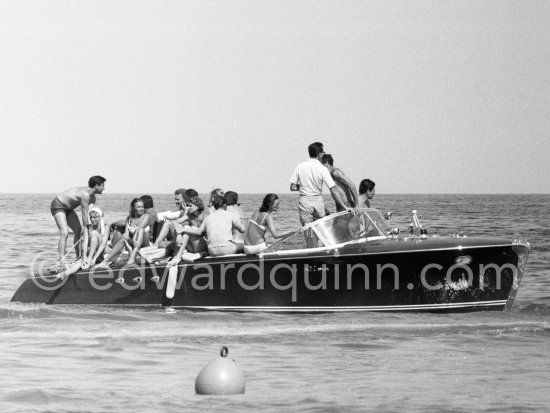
[[107, 359]]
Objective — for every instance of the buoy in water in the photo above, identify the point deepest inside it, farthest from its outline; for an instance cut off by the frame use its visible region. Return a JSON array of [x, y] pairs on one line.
[[220, 377]]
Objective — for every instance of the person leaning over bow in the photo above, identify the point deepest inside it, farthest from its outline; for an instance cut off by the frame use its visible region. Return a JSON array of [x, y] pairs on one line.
[[308, 178], [62, 209], [260, 222]]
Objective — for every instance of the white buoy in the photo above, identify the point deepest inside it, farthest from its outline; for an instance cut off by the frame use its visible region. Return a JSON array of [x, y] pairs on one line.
[[220, 377]]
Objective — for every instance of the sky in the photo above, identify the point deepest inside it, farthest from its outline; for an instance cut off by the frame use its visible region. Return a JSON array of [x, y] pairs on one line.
[[419, 96]]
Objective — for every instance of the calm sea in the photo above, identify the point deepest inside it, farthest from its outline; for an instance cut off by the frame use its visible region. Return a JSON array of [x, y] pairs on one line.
[[101, 359]]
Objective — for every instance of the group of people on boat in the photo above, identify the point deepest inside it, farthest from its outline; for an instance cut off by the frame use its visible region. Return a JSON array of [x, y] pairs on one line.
[[221, 228], [309, 177]]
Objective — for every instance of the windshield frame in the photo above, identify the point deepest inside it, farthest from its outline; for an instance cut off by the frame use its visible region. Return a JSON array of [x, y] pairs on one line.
[[375, 220]]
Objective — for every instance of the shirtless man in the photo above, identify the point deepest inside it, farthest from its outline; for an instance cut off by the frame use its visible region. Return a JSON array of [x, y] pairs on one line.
[[344, 185], [234, 207], [63, 210]]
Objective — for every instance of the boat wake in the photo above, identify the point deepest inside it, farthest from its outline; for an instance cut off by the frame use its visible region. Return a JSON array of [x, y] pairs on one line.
[[182, 326]]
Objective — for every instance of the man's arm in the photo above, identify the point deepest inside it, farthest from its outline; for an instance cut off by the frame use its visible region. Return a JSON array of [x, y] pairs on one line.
[[338, 198], [341, 177], [85, 206], [196, 231], [271, 225], [294, 180]]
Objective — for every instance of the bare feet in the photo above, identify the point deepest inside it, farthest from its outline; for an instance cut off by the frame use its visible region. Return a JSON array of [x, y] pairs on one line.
[[173, 261], [102, 265]]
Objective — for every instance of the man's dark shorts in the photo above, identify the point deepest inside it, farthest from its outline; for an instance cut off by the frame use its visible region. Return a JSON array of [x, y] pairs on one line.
[[57, 206]]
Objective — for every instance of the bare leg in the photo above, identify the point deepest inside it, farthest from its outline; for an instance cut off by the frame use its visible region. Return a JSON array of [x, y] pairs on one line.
[[61, 221], [117, 236], [74, 223], [181, 250], [138, 235], [163, 234], [116, 249], [93, 246], [184, 242], [146, 238]]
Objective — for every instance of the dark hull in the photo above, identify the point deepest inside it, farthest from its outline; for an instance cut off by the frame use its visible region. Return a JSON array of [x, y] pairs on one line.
[[419, 275]]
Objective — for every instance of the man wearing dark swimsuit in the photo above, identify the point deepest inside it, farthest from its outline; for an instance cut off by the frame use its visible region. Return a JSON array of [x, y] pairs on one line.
[[62, 209]]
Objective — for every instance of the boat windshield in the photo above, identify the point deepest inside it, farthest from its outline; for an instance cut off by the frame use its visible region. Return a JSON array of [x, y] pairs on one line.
[[336, 229]]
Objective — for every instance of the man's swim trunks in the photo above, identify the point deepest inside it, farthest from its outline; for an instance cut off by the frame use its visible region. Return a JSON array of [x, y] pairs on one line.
[[57, 206]]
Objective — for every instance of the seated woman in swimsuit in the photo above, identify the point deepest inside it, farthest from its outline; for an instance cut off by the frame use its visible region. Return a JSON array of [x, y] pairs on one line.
[[190, 242], [260, 222], [99, 235], [135, 236]]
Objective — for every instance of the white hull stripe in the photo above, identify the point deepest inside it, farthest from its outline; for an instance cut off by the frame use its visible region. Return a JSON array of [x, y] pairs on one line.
[[417, 307]]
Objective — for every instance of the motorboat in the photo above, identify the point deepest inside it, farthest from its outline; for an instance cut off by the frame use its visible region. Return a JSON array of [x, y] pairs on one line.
[[343, 262]]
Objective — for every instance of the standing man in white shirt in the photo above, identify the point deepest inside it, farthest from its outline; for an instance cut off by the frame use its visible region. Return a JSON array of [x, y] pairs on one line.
[[308, 178]]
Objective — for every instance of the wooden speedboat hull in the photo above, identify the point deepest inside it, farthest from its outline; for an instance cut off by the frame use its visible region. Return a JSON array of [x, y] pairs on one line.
[[412, 274]]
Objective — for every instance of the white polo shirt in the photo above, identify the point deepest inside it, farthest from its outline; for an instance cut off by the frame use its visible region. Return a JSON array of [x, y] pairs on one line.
[[311, 175]]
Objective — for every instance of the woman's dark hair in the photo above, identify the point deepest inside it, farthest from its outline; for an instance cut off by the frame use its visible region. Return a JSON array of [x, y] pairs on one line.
[[195, 200], [133, 207], [231, 197], [191, 193], [218, 201], [327, 158], [366, 185], [268, 202], [95, 180], [147, 201]]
